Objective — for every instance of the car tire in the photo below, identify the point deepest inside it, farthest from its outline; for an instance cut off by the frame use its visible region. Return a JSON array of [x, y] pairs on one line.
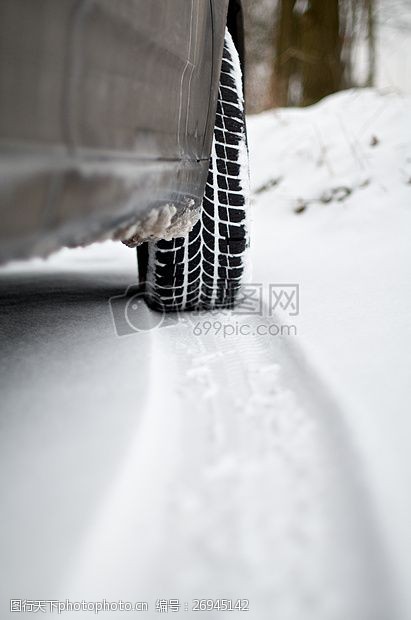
[[204, 269]]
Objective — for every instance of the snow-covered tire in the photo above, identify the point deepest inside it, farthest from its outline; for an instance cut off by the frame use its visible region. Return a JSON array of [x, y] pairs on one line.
[[204, 269]]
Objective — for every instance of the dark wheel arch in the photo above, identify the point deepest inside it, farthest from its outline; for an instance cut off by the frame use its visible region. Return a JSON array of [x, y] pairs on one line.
[[235, 25]]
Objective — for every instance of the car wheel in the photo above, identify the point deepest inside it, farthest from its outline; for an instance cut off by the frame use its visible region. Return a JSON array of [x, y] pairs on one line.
[[205, 268]]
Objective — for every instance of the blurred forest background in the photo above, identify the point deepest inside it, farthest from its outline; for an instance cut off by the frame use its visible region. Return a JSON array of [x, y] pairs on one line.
[[299, 51]]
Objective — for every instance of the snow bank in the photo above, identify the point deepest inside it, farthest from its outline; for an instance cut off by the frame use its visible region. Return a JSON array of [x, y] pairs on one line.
[[332, 212]]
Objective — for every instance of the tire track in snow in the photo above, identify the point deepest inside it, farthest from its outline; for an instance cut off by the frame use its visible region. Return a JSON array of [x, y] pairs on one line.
[[240, 484], [269, 500]]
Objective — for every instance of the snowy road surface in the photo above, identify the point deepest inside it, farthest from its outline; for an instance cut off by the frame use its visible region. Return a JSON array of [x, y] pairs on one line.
[[169, 464]]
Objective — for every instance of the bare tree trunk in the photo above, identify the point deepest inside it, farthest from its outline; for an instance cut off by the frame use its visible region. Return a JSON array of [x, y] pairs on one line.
[[322, 67], [315, 45], [286, 42], [348, 17], [371, 43]]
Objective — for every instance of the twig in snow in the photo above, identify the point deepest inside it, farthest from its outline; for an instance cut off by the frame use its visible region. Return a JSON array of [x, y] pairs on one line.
[[268, 185]]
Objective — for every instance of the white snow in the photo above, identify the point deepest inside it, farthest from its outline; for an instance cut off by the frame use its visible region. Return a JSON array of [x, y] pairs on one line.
[[161, 464], [393, 45], [347, 161], [161, 223]]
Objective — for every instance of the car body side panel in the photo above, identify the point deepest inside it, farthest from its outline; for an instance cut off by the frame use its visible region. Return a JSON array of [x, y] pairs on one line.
[[106, 111], [128, 77]]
